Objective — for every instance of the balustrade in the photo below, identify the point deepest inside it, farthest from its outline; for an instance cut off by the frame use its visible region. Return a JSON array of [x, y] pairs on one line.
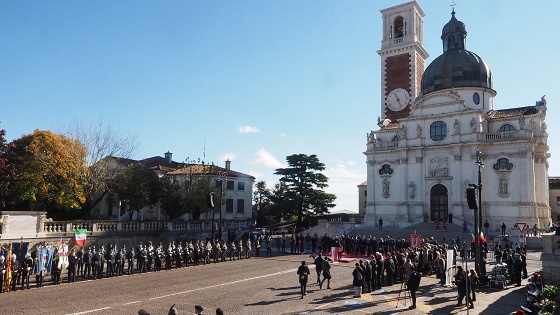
[[131, 226]]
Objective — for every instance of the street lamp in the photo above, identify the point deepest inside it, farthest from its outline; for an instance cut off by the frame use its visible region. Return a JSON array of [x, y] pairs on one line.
[[475, 202], [479, 226], [221, 177]]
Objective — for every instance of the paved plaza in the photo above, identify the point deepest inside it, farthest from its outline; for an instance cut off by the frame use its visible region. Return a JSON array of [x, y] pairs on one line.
[[254, 286]]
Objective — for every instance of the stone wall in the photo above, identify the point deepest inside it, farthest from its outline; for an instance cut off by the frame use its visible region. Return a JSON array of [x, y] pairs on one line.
[[551, 259]]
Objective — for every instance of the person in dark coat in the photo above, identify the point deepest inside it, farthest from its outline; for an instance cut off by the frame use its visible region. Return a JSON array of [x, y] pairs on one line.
[[303, 273], [463, 287], [379, 265], [517, 269], [358, 278], [412, 285], [326, 274], [318, 262], [368, 275]]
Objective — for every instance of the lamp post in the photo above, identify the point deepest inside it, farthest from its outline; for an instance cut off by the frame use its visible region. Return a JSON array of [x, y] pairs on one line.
[[221, 177], [478, 254]]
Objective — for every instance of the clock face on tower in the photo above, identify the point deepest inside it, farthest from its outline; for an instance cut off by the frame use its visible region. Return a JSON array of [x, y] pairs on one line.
[[398, 99]]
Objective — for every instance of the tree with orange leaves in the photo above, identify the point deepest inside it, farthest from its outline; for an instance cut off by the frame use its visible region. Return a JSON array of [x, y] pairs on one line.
[[50, 170]]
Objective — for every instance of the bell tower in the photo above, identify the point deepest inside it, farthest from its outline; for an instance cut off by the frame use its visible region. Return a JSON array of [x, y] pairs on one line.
[[402, 59]]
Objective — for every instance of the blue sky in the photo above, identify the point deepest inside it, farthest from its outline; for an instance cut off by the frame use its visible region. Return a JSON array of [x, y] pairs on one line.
[[252, 81]]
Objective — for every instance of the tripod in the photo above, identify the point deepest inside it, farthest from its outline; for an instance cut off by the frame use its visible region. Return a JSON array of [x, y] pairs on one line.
[[405, 296]]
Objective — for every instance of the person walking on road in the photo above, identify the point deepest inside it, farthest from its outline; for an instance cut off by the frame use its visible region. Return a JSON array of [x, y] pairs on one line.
[[504, 229], [318, 262], [326, 274], [303, 273], [381, 223]]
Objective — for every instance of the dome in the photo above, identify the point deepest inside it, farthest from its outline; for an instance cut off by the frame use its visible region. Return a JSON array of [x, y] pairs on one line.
[[456, 67], [453, 26]]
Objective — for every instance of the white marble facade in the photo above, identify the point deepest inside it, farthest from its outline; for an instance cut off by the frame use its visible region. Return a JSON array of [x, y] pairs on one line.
[[419, 166]]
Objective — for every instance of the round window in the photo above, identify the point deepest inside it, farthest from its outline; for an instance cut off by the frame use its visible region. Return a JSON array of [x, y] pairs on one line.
[[476, 98]]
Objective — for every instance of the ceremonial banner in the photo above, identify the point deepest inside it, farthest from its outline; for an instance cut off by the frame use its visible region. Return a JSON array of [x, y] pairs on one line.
[[42, 257], [8, 277], [80, 237], [448, 268], [49, 259], [62, 255], [414, 240], [20, 249]]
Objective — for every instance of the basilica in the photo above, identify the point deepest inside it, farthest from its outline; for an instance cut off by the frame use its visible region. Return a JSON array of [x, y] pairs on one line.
[[436, 121]]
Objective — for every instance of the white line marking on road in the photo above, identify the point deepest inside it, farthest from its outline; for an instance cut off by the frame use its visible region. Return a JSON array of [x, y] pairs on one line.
[[315, 308], [91, 311], [129, 303], [223, 284]]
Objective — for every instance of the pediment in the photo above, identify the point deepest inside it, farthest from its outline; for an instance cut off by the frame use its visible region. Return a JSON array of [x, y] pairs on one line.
[[439, 98]]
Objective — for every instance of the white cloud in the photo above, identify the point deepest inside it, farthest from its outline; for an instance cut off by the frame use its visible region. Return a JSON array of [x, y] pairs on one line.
[[228, 156], [266, 159], [283, 135], [345, 172], [247, 129]]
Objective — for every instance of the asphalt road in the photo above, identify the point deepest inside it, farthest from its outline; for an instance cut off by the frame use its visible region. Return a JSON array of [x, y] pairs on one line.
[[254, 286]]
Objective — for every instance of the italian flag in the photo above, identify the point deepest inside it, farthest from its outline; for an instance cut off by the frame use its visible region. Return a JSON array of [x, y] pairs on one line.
[[80, 237]]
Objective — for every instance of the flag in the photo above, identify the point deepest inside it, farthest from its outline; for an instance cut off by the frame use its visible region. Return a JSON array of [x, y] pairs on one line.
[[63, 255], [80, 237], [42, 256], [8, 278], [49, 258]]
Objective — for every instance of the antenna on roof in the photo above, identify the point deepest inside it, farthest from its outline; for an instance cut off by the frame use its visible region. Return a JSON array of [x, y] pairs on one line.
[[204, 151]]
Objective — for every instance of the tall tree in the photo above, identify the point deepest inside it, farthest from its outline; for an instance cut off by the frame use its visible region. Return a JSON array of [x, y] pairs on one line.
[[137, 187], [7, 172], [198, 190], [305, 185], [102, 142], [49, 170], [172, 198]]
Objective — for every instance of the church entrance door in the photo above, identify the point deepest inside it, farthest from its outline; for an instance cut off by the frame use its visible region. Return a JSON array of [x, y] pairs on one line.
[[438, 203]]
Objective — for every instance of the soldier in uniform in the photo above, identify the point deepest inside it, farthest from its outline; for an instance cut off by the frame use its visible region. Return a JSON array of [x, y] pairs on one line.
[[143, 259], [232, 251], [15, 272], [196, 253], [158, 256], [248, 249], [80, 261], [151, 256], [2, 272], [130, 260], [72, 266], [119, 261], [55, 269], [109, 256], [87, 263], [94, 263], [101, 262]]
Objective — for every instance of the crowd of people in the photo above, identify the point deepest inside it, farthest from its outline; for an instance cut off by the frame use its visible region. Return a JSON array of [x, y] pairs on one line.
[[386, 261]]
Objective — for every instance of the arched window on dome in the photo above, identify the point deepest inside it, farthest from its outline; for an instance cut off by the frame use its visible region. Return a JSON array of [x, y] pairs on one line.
[[460, 41], [506, 128], [399, 27], [451, 41]]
